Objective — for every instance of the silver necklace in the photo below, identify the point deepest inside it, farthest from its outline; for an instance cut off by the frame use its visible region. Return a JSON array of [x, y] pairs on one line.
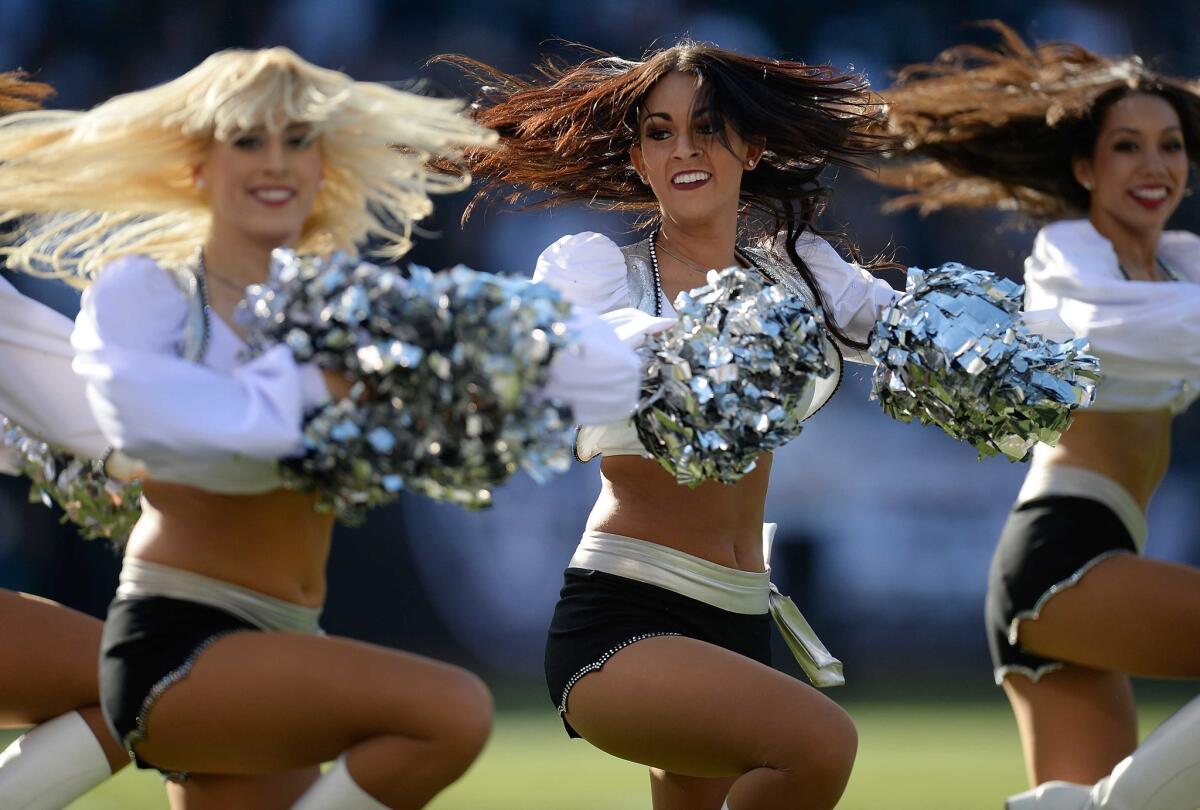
[[1167, 272], [659, 294], [691, 265]]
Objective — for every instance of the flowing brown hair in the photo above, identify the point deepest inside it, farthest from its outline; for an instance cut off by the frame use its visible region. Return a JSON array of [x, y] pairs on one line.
[[997, 127], [17, 93], [565, 134]]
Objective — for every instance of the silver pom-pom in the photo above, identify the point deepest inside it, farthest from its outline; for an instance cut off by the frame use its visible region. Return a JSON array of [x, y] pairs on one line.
[[101, 507], [731, 379], [449, 367], [953, 352]]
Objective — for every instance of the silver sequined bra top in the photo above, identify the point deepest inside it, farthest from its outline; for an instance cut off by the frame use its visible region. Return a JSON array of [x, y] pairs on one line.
[[620, 438]]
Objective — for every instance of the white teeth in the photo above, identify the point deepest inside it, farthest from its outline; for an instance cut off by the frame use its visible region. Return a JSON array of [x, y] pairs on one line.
[[690, 177], [274, 195], [1156, 193]]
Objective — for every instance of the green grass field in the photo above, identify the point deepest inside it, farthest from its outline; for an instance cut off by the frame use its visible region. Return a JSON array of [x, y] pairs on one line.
[[912, 756]]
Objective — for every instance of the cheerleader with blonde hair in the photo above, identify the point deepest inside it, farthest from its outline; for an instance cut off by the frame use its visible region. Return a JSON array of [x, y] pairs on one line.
[[165, 204]]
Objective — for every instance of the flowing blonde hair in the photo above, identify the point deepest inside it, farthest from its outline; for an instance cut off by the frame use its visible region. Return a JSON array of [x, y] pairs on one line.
[[118, 179]]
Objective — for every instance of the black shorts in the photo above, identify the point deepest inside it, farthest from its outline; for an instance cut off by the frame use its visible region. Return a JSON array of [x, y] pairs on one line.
[[149, 644], [1047, 545], [598, 614]]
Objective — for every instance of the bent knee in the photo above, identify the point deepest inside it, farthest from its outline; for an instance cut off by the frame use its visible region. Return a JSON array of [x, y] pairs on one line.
[[821, 753], [467, 722]]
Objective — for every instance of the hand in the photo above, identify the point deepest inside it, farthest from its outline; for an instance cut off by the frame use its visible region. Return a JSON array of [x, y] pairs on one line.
[[339, 387]]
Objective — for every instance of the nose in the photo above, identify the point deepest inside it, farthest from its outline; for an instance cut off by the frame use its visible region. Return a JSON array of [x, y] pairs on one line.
[[1154, 161], [274, 157], [686, 146]]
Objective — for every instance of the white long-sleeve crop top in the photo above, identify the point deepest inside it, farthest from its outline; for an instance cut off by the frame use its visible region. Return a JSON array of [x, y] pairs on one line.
[[1146, 333], [38, 389], [221, 422], [591, 271]]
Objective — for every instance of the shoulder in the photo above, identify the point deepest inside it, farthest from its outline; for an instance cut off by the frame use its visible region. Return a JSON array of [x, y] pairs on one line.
[[1181, 251], [1071, 248], [587, 268], [135, 299], [135, 276]]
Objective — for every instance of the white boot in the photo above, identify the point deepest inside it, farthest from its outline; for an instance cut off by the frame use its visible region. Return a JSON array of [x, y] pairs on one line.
[[1052, 796], [1162, 774], [337, 790], [51, 765]]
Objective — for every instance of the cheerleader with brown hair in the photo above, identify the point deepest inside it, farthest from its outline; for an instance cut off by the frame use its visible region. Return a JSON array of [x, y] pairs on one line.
[[1101, 149], [659, 649], [48, 673]]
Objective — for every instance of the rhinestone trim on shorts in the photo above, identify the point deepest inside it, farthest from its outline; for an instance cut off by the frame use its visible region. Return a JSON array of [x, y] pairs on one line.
[[599, 662], [162, 685]]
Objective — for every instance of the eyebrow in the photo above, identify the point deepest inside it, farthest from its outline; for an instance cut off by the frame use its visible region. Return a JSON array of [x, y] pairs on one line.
[[667, 116], [1171, 128]]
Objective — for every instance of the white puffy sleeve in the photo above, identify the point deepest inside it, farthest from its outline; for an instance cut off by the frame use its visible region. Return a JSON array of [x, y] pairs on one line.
[[588, 269], [171, 414], [1141, 330], [38, 389], [601, 379], [853, 297]]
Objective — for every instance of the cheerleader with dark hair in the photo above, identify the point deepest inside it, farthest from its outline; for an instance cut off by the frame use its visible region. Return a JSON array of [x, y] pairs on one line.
[[1101, 149], [48, 652], [659, 649]]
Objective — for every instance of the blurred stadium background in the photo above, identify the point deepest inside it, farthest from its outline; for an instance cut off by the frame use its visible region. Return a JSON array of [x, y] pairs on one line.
[[885, 529]]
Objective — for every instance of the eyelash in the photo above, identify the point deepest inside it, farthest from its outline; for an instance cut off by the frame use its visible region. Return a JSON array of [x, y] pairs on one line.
[[254, 142], [701, 129], [1130, 146]]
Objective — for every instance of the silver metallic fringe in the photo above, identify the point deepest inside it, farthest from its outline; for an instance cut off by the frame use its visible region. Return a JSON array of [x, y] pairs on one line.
[[731, 379], [953, 352], [101, 507], [447, 370]]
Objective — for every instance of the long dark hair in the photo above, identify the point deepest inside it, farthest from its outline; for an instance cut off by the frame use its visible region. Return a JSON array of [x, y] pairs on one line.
[[18, 93], [565, 134], [997, 128]]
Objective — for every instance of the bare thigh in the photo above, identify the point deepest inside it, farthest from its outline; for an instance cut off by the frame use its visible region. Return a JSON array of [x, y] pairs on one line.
[[696, 710], [257, 703], [1076, 724], [276, 791], [1128, 614], [38, 637]]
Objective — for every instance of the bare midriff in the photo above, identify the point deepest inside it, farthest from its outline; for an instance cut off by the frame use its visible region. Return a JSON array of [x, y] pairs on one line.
[[1132, 448], [274, 543], [717, 522]]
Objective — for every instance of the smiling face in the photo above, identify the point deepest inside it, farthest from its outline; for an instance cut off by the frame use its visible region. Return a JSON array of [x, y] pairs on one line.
[[1138, 169], [680, 153], [262, 184]]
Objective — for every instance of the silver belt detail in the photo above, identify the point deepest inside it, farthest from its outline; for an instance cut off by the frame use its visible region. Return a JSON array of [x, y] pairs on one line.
[[141, 578], [746, 592]]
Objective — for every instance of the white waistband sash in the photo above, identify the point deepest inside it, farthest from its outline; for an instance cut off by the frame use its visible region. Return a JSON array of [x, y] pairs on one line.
[[746, 592], [141, 578], [1049, 480]]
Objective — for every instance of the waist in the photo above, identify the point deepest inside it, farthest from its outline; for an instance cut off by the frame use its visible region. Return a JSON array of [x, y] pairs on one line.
[[1064, 480], [1116, 394], [727, 588], [142, 578]]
